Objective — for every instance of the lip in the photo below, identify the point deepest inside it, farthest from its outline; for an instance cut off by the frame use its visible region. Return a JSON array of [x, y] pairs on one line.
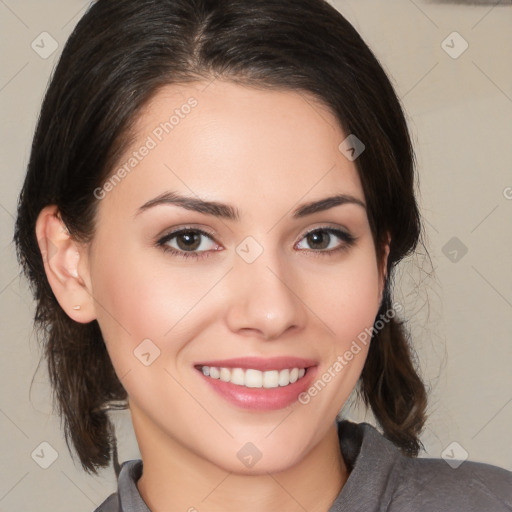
[[260, 399], [260, 363]]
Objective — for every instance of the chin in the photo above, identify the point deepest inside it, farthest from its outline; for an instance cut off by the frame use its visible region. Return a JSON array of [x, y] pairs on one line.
[[274, 463]]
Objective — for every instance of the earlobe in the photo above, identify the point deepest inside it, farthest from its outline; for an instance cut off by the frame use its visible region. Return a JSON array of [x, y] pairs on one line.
[[61, 257]]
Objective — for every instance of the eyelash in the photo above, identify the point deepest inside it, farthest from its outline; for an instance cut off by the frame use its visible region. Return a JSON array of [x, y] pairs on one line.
[[346, 237]]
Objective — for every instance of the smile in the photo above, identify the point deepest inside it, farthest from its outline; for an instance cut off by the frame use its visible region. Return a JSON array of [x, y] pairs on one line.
[[252, 378]]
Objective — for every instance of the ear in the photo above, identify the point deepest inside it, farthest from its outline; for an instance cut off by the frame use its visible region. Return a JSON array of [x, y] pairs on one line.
[[383, 265], [66, 266]]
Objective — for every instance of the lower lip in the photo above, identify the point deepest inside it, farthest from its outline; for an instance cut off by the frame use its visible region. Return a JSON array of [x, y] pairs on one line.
[[261, 399]]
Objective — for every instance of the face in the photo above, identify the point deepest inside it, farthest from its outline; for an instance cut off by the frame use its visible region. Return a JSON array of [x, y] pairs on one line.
[[246, 285]]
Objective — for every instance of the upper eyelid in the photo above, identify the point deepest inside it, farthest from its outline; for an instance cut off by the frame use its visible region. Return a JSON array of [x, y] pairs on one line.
[[185, 229]]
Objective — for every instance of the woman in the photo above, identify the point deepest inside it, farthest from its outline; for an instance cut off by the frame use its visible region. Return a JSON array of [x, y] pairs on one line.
[[217, 197]]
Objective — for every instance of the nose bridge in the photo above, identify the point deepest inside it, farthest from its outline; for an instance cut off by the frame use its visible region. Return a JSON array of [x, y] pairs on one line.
[[263, 298]]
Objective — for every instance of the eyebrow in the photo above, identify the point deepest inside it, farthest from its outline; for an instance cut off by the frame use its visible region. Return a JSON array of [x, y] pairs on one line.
[[229, 212]]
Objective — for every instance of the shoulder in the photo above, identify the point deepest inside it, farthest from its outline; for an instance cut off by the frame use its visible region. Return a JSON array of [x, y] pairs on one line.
[[400, 483], [127, 497], [470, 486], [111, 504]]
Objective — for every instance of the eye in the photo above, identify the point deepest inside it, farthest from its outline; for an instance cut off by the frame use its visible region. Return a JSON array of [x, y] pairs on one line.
[[322, 240], [185, 242], [190, 242]]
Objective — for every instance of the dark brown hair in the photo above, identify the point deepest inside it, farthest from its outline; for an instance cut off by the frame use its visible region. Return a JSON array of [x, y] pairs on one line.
[[119, 55]]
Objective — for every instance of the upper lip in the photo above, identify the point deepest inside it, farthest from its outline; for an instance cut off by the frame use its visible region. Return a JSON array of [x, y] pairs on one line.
[[260, 363]]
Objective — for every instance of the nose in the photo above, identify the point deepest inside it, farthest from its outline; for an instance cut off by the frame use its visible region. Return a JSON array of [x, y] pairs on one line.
[[265, 298]]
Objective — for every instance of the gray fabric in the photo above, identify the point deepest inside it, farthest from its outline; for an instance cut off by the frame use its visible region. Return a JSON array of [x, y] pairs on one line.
[[381, 479]]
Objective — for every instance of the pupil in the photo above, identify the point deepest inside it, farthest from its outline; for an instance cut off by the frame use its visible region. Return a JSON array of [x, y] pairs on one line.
[[189, 237], [316, 238]]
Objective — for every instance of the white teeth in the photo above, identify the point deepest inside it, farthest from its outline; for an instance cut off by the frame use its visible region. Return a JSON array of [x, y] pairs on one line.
[[284, 377], [237, 376], [271, 379], [255, 378], [225, 374]]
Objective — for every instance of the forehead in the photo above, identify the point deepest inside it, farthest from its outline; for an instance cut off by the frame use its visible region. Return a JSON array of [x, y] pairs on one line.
[[232, 142]]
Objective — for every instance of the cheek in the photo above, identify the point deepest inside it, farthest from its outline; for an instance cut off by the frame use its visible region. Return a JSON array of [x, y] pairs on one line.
[[140, 296], [348, 299], [132, 300], [348, 303]]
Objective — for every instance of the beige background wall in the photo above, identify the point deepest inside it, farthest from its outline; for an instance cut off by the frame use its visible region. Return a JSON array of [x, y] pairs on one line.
[[460, 113]]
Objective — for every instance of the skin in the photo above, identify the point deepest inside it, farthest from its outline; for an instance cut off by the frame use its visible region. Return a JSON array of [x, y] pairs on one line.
[[264, 152]]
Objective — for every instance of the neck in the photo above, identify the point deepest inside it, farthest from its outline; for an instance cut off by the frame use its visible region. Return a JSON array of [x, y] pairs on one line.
[[174, 478]]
